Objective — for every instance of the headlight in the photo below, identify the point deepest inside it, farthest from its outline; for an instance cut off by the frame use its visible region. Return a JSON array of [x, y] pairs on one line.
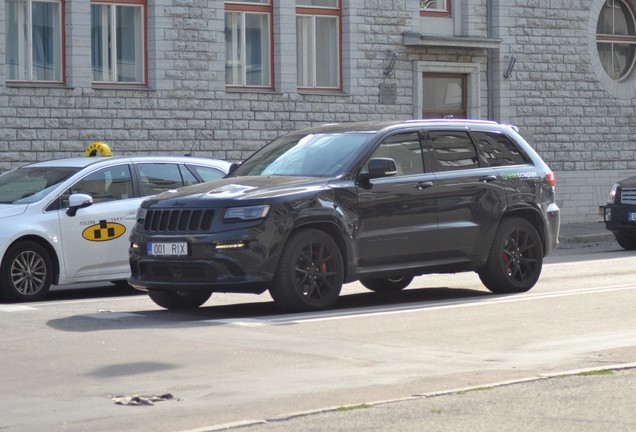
[[141, 214], [612, 194], [247, 213]]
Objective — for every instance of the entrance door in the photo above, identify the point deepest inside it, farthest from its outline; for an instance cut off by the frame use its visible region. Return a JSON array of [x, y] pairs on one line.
[[444, 95]]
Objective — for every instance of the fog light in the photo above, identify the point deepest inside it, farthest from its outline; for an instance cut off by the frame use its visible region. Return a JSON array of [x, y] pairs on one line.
[[608, 214], [231, 245]]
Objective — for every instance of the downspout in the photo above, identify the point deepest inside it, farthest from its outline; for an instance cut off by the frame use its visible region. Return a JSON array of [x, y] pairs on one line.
[[490, 63]]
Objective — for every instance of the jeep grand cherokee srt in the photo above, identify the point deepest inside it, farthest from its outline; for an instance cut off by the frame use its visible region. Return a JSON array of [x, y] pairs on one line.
[[378, 202]]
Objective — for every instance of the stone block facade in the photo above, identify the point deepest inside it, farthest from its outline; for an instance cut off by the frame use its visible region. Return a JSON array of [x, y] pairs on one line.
[[579, 120]]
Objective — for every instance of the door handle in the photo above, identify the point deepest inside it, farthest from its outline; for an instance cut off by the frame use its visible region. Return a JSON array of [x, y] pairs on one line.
[[488, 178], [424, 185]]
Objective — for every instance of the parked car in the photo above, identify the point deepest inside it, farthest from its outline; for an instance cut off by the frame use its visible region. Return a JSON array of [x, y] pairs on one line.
[[620, 212], [67, 221], [375, 202]]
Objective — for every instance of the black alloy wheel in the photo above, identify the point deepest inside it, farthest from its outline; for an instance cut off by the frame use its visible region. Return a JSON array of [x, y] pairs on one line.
[[515, 260], [310, 273]]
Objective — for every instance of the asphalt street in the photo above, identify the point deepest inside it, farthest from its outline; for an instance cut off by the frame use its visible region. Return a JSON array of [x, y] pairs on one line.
[[599, 399]]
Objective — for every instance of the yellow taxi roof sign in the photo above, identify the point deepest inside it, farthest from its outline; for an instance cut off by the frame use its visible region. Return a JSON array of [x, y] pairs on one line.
[[98, 148]]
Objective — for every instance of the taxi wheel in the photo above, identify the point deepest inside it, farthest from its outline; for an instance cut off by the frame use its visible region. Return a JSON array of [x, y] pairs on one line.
[[27, 272], [389, 284], [515, 260], [310, 273], [179, 299]]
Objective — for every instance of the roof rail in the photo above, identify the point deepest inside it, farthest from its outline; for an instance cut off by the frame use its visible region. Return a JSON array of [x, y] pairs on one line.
[[450, 120]]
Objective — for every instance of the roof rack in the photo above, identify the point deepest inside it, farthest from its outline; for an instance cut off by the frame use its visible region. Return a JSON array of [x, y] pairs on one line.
[[430, 120]]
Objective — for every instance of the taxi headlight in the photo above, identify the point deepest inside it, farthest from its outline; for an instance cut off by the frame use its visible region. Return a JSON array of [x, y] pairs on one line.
[[247, 213]]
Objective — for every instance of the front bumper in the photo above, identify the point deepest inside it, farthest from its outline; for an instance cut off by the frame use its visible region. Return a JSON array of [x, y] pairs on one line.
[[248, 266], [620, 218]]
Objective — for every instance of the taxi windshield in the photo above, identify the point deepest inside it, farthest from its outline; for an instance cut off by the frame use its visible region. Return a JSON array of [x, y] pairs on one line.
[[310, 155], [30, 184]]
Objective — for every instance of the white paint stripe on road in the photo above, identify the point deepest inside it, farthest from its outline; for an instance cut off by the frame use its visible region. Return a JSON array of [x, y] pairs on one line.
[[412, 307], [15, 308]]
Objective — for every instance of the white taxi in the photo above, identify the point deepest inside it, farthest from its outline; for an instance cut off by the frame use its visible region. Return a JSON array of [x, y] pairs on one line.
[[67, 221]]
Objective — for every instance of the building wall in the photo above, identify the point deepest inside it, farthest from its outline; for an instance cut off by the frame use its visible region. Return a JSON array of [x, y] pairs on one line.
[[578, 120]]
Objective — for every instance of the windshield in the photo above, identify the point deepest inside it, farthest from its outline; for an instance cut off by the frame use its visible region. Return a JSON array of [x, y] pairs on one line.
[[28, 185], [317, 155]]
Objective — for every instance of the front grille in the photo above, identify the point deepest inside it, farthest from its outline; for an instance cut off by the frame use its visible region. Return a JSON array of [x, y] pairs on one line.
[[178, 221], [628, 196], [176, 272]]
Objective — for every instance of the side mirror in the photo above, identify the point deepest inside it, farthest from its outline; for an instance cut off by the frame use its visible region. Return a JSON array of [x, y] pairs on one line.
[[78, 201], [377, 168], [233, 167], [382, 167]]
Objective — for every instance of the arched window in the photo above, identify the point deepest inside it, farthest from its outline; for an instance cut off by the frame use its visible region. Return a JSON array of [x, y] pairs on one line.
[[616, 38]]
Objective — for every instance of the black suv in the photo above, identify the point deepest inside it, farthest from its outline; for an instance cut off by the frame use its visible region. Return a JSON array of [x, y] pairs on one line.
[[378, 202], [620, 212]]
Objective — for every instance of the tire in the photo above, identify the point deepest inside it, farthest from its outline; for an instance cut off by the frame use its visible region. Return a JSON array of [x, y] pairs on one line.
[[122, 283], [309, 274], [389, 284], [26, 273], [515, 259], [174, 300], [625, 241]]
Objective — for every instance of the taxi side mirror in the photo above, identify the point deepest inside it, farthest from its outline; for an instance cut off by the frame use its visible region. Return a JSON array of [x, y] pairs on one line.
[[78, 201]]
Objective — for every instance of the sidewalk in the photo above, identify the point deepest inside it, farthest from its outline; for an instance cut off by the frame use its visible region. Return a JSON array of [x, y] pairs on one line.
[[584, 232], [597, 400]]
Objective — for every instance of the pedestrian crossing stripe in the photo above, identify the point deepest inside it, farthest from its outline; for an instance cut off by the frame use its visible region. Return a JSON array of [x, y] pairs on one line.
[[104, 231]]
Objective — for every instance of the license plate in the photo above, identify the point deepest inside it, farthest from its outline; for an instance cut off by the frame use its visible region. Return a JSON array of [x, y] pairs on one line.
[[631, 217], [169, 249]]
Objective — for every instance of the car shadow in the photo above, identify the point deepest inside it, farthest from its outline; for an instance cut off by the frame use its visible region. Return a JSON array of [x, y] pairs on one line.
[[81, 292], [265, 313]]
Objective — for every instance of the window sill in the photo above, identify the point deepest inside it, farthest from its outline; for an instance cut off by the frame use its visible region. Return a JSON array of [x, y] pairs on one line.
[[142, 87], [36, 84]]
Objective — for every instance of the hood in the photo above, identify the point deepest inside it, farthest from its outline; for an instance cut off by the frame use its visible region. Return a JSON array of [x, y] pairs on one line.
[[245, 188], [10, 210], [628, 182]]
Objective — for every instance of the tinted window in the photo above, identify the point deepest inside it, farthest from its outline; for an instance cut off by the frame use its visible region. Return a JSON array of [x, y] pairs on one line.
[[107, 184], [498, 150], [159, 177], [206, 173], [317, 155], [453, 151], [405, 150], [29, 184]]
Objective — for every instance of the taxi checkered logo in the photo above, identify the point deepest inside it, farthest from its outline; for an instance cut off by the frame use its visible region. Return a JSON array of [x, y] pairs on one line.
[[104, 231]]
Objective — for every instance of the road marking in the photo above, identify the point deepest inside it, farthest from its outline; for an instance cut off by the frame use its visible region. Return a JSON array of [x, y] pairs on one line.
[[15, 308], [411, 307]]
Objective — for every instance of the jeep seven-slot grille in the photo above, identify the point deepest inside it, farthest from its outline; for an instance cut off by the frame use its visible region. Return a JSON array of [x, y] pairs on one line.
[[628, 196], [178, 220]]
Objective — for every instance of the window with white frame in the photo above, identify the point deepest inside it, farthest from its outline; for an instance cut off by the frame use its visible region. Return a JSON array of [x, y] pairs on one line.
[[435, 7], [118, 52], [33, 40], [248, 39], [318, 43]]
